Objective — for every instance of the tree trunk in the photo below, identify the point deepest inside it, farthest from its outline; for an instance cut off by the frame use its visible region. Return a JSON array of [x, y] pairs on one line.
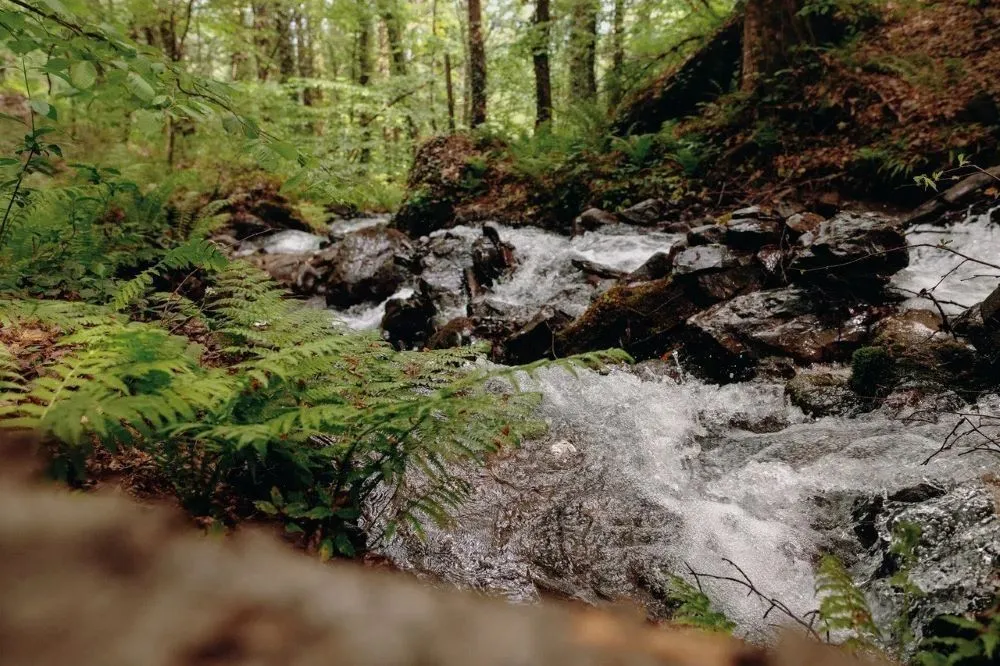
[[285, 46], [262, 39], [477, 65], [583, 51], [394, 33], [540, 57], [770, 29], [616, 78], [450, 92], [365, 64], [307, 59]]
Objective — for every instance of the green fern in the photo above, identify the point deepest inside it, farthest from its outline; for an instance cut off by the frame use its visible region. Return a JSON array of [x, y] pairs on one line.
[[843, 607], [694, 608]]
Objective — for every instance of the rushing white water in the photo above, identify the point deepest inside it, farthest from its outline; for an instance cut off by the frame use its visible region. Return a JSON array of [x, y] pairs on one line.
[[955, 281], [681, 473], [545, 274]]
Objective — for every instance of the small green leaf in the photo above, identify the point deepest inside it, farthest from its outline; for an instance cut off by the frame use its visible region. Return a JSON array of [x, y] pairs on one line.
[[344, 545], [285, 149], [83, 75], [266, 507], [140, 87]]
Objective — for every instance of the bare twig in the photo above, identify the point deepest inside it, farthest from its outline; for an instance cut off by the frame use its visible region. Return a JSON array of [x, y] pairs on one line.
[[752, 590]]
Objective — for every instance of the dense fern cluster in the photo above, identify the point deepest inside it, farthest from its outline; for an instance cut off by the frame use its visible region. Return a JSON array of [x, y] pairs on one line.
[[269, 408]]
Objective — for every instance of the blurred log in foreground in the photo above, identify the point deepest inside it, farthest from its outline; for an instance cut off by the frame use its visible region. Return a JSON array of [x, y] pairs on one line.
[[99, 581]]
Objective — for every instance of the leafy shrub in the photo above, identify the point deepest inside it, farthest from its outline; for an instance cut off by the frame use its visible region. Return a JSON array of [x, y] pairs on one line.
[[974, 641]]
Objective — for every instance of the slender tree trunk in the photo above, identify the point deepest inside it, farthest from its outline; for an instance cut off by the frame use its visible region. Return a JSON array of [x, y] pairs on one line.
[[583, 51], [450, 92], [365, 65], [770, 29], [284, 25], [477, 65], [307, 59], [540, 59], [616, 78]]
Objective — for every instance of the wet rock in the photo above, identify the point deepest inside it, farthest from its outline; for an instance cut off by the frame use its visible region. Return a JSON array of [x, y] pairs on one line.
[[598, 270], [785, 209], [456, 333], [646, 213], [491, 257], [366, 266], [536, 339], [594, 218], [642, 318], [751, 234], [288, 270], [956, 196], [702, 258], [445, 263], [656, 267], [748, 212], [956, 559], [409, 322], [711, 287], [772, 260], [980, 324], [822, 391], [855, 250], [729, 338], [707, 234], [920, 349], [804, 223]]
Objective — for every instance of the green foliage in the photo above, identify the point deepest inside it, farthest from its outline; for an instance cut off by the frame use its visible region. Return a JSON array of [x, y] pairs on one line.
[[843, 607], [973, 641], [694, 608], [271, 408], [872, 372]]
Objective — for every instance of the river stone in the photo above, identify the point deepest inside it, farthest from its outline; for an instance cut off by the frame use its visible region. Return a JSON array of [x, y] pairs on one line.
[[656, 267], [955, 197], [854, 249], [409, 322], [259, 210], [822, 391], [366, 266], [594, 218], [729, 338], [957, 557], [701, 258], [914, 339], [806, 222], [288, 270], [706, 234], [643, 318], [751, 234], [536, 339], [492, 258], [646, 213]]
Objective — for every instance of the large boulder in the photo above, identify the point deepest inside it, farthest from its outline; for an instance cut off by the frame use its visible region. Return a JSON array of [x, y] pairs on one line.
[[914, 339], [492, 258], [980, 324], [857, 251], [409, 322], [536, 339], [823, 391], [448, 172], [728, 339], [366, 266], [643, 318]]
